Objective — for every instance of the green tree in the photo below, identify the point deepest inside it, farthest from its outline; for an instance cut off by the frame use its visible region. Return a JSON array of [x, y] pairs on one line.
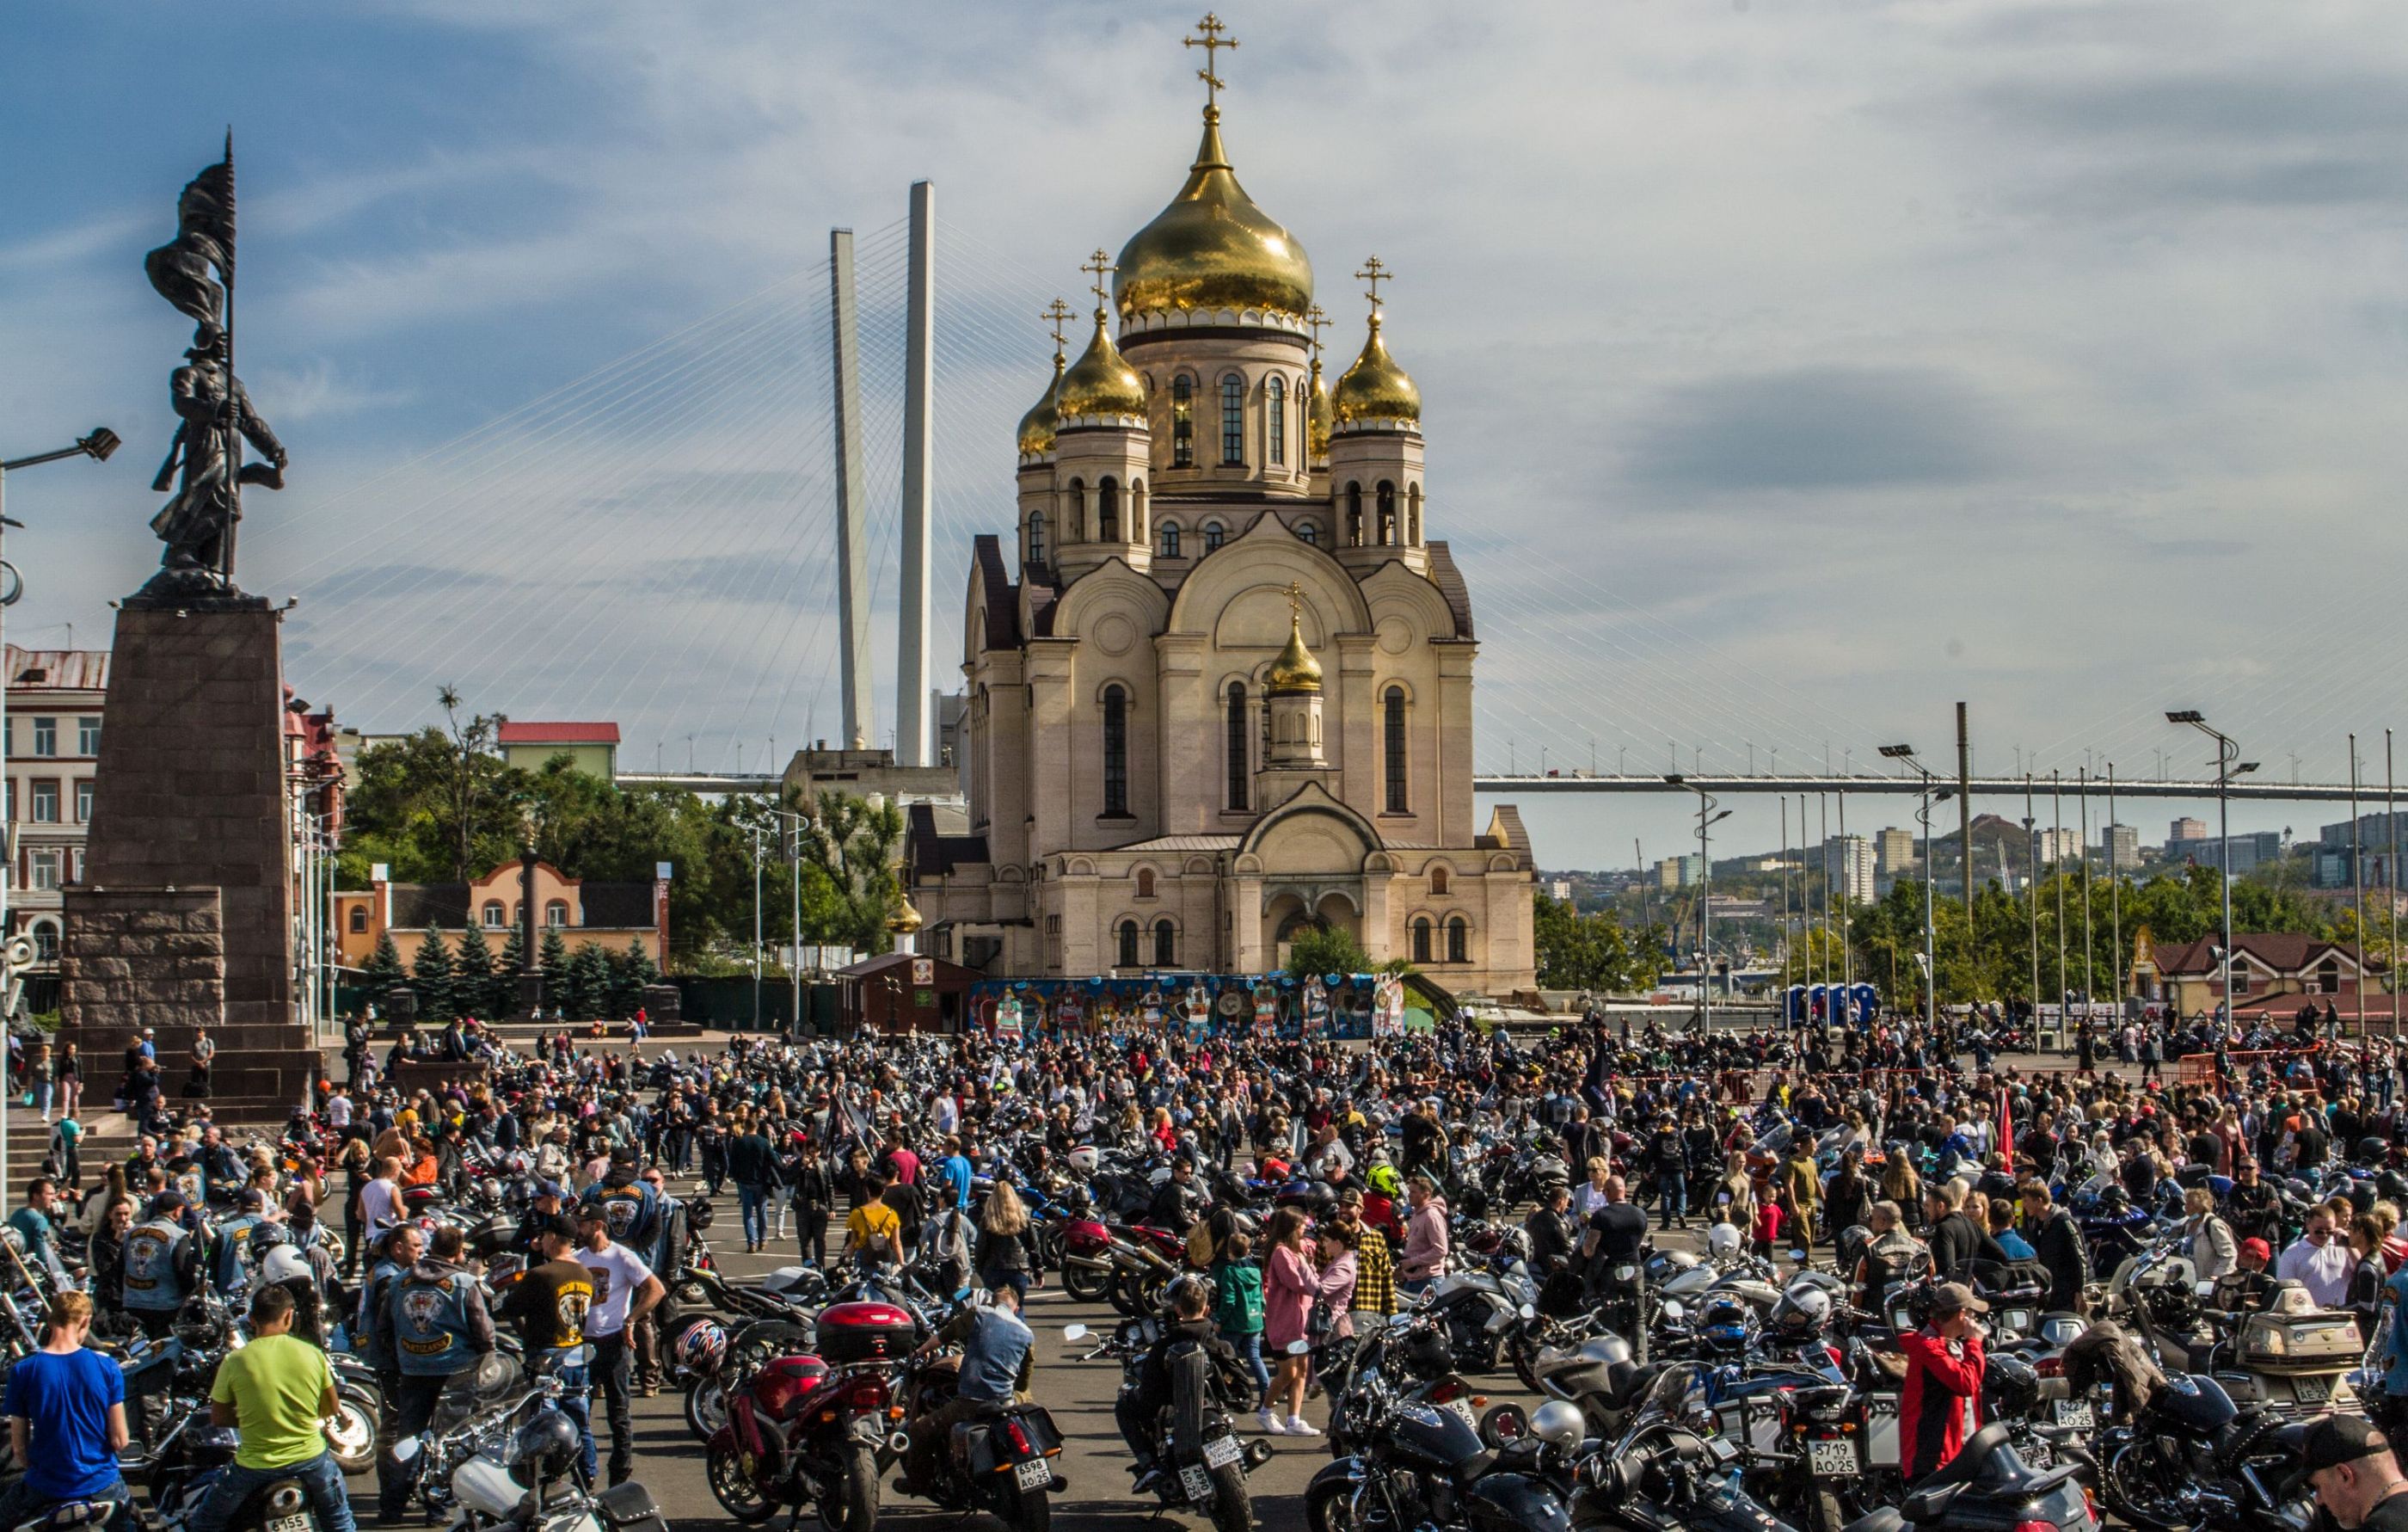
[[502, 997], [1325, 950], [430, 975], [384, 970], [472, 975], [853, 846], [1595, 951], [589, 982], [551, 959]]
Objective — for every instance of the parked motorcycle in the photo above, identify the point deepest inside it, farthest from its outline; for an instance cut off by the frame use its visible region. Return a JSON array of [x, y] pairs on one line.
[[1201, 1464]]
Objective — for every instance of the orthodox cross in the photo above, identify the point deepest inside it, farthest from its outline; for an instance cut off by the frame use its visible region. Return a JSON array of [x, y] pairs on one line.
[[1101, 264], [1316, 317], [1057, 312], [1294, 601], [1211, 42], [1374, 273]]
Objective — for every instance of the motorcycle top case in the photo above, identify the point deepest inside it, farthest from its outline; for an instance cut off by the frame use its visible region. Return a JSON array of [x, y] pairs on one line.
[[2311, 1343], [866, 1331]]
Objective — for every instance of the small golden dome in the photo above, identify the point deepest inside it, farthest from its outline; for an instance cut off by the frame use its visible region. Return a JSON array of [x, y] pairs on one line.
[[1036, 426], [905, 920], [1099, 382], [1317, 418], [1375, 388], [1213, 249], [1296, 670]]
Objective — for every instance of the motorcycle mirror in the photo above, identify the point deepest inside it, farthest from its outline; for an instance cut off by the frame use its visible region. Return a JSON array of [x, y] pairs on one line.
[[406, 1450], [1298, 1348], [1672, 1308], [2204, 1287], [1798, 1256], [1074, 1332], [1529, 1312]]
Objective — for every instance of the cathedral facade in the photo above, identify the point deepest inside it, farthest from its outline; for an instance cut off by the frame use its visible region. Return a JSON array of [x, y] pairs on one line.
[[1218, 678]]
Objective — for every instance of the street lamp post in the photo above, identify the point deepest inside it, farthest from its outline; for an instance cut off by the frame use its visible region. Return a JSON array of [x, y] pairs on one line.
[[96, 447], [1706, 819], [2228, 764], [1923, 817]]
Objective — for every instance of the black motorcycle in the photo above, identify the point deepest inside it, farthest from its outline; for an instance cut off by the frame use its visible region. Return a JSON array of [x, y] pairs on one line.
[[1200, 1465]]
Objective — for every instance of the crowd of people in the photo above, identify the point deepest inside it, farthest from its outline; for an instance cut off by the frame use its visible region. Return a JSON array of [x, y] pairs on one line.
[[1945, 1147]]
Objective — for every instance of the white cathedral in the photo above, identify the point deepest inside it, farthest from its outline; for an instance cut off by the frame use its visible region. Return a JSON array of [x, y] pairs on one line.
[[1220, 687]]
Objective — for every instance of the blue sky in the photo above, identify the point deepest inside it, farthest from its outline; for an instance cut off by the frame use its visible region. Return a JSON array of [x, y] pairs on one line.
[[1792, 370]]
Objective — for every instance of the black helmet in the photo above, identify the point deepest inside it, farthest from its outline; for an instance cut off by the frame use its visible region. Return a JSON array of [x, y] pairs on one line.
[[2010, 1387], [544, 1448], [2373, 1151]]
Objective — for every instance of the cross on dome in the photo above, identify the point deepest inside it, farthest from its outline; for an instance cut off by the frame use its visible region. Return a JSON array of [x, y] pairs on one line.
[[1318, 317], [1211, 42], [1057, 312], [1101, 264], [1375, 273]]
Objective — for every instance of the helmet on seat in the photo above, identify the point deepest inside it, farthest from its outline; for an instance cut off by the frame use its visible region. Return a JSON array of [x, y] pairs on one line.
[[1723, 1325], [700, 1346], [1722, 1241]]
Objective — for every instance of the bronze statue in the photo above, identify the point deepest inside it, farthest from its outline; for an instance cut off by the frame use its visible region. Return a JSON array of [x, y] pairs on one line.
[[198, 523]]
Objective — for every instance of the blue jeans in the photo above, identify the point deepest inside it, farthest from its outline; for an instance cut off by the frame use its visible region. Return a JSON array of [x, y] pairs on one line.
[[574, 1404], [320, 1479], [754, 1203], [1672, 1193], [1249, 1351], [19, 1504]]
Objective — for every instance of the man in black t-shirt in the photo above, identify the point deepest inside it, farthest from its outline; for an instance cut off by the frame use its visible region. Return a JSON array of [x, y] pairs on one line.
[[1617, 1234], [547, 1305]]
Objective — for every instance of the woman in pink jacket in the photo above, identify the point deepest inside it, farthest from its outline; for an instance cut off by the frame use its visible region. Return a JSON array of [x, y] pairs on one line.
[[1289, 1287], [1336, 1288]]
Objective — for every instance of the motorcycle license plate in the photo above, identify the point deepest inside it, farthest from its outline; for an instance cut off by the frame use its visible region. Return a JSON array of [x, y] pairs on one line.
[[1834, 1457], [1462, 1410], [1196, 1483], [1033, 1474], [2076, 1414], [2311, 1390], [1220, 1452], [287, 1523]]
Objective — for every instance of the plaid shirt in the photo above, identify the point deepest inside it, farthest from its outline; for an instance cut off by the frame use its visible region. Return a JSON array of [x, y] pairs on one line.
[[1375, 1275]]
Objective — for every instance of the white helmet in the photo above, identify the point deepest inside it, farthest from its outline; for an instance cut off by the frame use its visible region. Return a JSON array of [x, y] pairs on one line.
[[1083, 1159], [1722, 1241], [283, 1264]]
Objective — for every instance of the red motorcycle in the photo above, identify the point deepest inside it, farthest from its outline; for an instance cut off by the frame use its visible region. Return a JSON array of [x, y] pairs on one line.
[[808, 1430]]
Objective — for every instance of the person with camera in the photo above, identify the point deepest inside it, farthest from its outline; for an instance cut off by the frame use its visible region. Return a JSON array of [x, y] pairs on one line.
[[1941, 1404]]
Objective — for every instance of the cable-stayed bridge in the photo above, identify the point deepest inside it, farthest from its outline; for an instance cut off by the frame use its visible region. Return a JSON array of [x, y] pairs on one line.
[[657, 543]]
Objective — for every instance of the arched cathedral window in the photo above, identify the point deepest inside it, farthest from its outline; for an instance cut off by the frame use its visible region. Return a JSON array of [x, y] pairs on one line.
[[1310, 533], [1115, 750], [1234, 741], [1233, 421], [1276, 398], [1166, 945], [1414, 516], [1387, 514], [1353, 515], [1393, 741], [1170, 539], [1458, 940], [1036, 536], [1128, 944], [1107, 512], [1182, 421], [1422, 940], [1211, 535]]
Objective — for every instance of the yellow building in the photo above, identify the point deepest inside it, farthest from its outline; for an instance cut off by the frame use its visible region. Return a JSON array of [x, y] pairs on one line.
[[615, 915], [591, 748], [1220, 687]]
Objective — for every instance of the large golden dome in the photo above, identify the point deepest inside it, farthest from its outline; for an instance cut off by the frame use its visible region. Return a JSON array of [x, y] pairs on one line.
[[1099, 382], [1296, 669], [1375, 388], [1213, 249], [1036, 426]]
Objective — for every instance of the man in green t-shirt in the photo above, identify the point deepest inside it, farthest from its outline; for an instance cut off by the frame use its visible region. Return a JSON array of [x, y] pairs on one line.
[[278, 1392]]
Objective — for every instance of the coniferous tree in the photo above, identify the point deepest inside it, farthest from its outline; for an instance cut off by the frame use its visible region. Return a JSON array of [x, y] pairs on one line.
[[589, 982], [430, 975], [472, 975], [618, 996], [384, 970], [639, 972], [552, 958], [502, 999]]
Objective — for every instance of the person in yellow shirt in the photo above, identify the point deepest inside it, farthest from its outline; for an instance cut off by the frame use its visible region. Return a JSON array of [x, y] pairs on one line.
[[278, 1392], [873, 1232]]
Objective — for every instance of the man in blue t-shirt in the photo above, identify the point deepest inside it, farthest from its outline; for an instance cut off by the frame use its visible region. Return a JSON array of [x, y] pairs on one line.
[[67, 1420]]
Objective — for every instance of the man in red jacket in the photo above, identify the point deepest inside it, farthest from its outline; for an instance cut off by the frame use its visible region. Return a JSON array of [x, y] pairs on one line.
[[1941, 1402]]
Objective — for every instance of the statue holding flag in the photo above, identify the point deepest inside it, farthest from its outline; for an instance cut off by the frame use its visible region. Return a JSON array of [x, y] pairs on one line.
[[204, 463]]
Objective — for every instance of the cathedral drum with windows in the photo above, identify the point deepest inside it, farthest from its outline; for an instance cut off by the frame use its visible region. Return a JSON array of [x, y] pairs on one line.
[[1220, 686]]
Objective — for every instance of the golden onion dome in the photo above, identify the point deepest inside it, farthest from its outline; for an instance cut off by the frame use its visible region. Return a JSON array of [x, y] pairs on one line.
[[1375, 388], [1036, 426], [1213, 249], [1099, 382], [1296, 670], [1317, 417], [905, 919]]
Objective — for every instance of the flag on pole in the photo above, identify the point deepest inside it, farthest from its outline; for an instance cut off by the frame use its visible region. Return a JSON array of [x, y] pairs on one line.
[[179, 269]]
